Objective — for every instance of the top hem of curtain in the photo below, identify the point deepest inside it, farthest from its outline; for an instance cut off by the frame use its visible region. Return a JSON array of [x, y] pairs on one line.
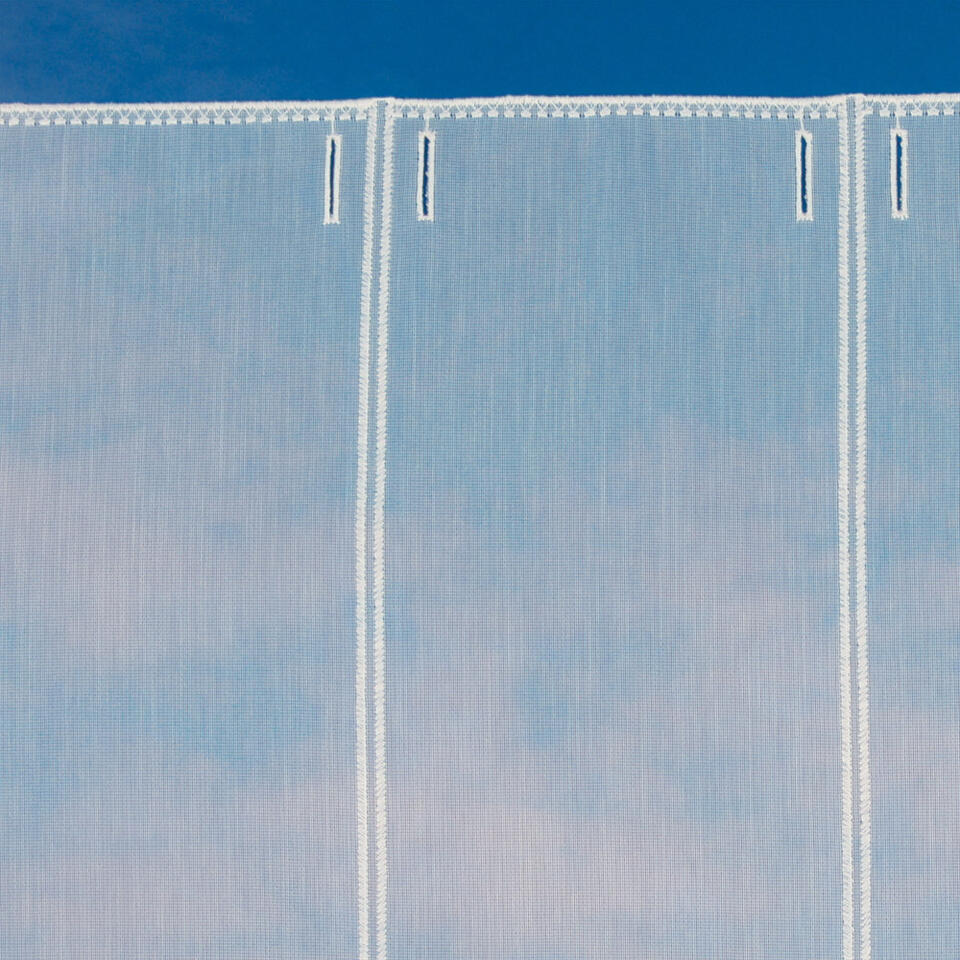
[[226, 112]]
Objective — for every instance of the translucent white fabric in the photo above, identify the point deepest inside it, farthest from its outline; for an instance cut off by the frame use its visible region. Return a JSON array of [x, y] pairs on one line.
[[515, 529]]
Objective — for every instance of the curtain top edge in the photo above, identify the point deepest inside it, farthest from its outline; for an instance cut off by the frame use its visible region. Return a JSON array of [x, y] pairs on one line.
[[149, 113]]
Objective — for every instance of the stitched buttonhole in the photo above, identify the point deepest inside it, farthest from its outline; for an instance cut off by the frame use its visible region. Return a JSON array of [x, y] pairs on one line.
[[331, 209], [898, 173], [804, 175], [426, 176]]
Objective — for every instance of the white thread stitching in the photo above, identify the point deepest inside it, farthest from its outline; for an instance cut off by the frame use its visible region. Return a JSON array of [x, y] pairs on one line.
[[588, 107], [94, 114], [863, 680], [163, 114], [898, 164], [764, 108], [366, 289], [804, 166], [331, 179], [843, 518], [916, 105], [426, 174], [383, 332]]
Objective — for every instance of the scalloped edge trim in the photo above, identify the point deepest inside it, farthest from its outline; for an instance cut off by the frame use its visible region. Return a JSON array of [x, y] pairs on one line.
[[163, 114], [534, 107], [764, 108], [914, 105], [160, 114]]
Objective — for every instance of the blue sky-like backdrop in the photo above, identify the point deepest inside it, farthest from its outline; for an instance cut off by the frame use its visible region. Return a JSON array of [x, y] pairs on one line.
[[252, 49], [611, 519]]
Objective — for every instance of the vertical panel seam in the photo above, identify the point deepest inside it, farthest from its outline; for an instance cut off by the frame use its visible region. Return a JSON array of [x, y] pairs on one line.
[[863, 669], [379, 536], [843, 518], [363, 401]]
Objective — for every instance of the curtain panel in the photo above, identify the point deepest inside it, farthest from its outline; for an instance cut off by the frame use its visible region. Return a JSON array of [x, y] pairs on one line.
[[503, 529]]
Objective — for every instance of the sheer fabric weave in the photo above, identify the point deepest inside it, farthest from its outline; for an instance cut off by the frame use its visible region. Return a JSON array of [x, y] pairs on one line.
[[514, 529]]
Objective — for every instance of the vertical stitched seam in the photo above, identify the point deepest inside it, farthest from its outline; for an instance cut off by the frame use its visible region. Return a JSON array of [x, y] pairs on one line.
[[863, 669], [379, 640], [363, 401], [843, 518]]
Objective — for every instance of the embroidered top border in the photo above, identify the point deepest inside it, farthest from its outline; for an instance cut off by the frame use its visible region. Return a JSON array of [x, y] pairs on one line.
[[158, 114], [152, 114]]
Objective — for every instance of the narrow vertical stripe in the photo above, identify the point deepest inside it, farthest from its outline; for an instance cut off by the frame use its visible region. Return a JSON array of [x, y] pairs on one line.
[[843, 518], [863, 667], [366, 290], [379, 679]]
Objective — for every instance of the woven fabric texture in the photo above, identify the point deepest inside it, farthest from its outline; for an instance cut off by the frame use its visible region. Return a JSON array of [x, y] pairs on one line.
[[511, 529]]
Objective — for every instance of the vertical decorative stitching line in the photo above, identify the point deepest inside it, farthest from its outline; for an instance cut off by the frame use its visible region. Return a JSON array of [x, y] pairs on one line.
[[804, 151], [331, 179], [898, 173], [363, 402], [863, 669], [843, 518], [426, 174], [379, 681]]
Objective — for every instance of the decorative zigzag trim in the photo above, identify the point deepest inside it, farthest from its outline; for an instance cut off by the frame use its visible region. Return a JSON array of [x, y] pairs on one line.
[[162, 114], [587, 107], [917, 105], [759, 108]]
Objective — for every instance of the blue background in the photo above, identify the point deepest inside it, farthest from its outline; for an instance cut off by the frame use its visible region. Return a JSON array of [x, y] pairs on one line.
[[251, 49]]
